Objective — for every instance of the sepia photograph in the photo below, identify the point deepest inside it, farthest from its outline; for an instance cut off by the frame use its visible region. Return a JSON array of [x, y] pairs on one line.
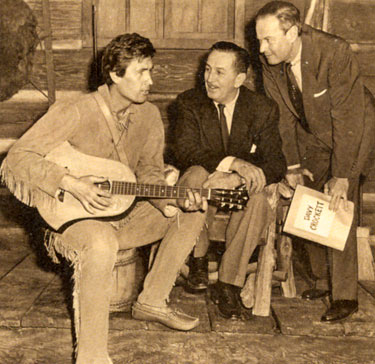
[[187, 182]]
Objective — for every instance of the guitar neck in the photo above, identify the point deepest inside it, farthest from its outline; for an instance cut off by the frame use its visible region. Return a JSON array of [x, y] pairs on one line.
[[154, 191]]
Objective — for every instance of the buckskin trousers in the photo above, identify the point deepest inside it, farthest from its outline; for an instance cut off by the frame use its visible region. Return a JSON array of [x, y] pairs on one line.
[[96, 244]]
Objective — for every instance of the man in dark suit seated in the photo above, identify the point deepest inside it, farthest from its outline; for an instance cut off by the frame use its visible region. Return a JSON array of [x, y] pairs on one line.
[[327, 129], [227, 135]]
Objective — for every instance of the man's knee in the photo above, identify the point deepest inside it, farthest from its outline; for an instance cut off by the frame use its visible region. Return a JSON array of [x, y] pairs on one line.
[[259, 206], [96, 240], [194, 177], [104, 244], [258, 199]]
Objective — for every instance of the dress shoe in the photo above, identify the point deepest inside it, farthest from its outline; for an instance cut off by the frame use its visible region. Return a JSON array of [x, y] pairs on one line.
[[165, 315], [226, 296], [314, 294], [340, 310], [197, 280]]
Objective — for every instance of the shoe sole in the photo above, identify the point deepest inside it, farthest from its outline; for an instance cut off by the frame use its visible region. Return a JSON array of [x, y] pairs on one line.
[[316, 297], [339, 320], [228, 317], [194, 290]]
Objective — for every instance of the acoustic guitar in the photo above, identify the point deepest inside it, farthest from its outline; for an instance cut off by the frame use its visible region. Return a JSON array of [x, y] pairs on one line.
[[122, 185]]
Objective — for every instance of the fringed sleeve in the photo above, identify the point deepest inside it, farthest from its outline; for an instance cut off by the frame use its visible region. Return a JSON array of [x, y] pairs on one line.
[[20, 189], [23, 190]]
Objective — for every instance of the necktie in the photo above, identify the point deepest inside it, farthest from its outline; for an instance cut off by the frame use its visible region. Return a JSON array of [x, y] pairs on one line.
[[224, 126], [295, 96]]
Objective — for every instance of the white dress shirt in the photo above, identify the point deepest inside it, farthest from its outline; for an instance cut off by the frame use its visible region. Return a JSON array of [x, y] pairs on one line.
[[225, 164]]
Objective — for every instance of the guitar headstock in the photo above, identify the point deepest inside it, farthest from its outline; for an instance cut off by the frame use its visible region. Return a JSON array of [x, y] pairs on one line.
[[235, 199]]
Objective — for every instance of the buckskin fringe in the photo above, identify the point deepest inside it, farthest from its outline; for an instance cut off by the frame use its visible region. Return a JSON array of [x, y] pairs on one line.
[[25, 192], [54, 244]]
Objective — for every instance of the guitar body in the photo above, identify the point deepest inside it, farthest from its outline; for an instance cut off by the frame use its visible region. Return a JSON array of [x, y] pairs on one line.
[[79, 165]]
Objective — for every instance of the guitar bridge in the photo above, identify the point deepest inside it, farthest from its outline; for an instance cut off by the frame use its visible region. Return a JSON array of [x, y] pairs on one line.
[[61, 195]]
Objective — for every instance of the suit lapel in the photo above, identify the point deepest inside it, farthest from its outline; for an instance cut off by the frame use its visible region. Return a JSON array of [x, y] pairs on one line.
[[309, 75], [308, 72], [239, 132]]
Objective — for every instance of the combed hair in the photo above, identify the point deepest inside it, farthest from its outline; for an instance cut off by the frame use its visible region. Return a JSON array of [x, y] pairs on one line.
[[286, 12], [121, 51], [242, 61]]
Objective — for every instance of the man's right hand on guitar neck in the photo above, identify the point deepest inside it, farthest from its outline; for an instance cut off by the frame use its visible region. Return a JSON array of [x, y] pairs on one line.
[[85, 190]]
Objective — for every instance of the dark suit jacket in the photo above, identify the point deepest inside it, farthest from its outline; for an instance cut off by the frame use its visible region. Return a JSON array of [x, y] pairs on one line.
[[340, 111], [255, 122]]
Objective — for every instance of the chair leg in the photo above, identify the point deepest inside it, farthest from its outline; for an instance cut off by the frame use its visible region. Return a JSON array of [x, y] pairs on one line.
[[289, 286], [366, 264], [248, 291], [263, 281], [285, 263]]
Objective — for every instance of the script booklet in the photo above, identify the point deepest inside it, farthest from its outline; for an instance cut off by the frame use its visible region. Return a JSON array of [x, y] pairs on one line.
[[309, 218]]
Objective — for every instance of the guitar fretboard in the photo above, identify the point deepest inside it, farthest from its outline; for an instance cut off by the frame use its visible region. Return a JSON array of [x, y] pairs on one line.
[[150, 190]]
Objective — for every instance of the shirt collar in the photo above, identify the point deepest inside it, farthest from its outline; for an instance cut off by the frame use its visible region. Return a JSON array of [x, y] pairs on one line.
[[230, 105], [121, 116], [297, 58]]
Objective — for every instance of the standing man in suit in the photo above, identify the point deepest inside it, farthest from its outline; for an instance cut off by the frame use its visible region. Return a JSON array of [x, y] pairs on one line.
[[327, 128], [227, 135]]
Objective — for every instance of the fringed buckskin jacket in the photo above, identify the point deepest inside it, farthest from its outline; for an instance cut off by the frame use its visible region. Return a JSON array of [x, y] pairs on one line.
[[32, 178]]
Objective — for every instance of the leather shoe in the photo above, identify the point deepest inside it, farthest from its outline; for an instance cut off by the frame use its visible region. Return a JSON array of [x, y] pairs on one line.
[[226, 296], [197, 280], [340, 310], [165, 315], [314, 294]]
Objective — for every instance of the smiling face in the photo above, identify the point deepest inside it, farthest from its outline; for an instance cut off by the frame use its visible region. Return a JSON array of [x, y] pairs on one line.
[[276, 44], [221, 77], [135, 85]]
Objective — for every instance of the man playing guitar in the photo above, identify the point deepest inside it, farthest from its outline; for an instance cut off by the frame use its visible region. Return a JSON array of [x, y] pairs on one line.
[[116, 123]]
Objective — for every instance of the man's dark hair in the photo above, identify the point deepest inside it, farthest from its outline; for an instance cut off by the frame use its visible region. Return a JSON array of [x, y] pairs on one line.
[[121, 51], [286, 12], [242, 61]]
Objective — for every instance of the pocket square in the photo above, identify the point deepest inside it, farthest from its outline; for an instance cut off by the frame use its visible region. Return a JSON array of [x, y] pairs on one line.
[[253, 149], [320, 93]]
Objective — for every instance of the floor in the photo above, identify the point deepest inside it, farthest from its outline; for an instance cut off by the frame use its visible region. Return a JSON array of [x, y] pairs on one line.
[[36, 326]]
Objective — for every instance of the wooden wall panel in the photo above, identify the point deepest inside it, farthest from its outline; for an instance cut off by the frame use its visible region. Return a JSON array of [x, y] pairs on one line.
[[110, 18], [66, 17], [353, 20], [145, 18], [72, 70], [174, 70], [199, 19], [181, 17], [216, 15]]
